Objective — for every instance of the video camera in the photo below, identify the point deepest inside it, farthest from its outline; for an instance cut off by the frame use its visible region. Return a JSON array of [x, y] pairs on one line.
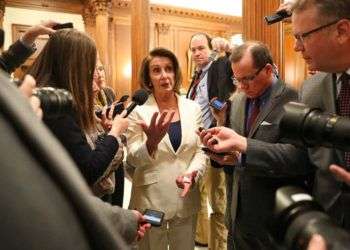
[[297, 216]]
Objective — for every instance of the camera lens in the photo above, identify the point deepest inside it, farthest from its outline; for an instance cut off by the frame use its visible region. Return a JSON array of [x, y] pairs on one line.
[[298, 216], [54, 102], [302, 125]]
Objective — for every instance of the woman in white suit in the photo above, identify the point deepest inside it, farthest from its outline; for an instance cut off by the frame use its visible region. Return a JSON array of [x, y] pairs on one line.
[[165, 152]]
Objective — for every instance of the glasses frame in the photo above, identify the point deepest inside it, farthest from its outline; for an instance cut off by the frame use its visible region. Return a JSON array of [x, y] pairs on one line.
[[247, 79], [302, 36]]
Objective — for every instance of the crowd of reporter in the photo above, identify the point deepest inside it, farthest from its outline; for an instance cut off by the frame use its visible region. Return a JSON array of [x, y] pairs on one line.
[[69, 60]]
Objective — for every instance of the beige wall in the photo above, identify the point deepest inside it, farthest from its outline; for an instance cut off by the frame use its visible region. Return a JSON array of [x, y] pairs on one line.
[[31, 17]]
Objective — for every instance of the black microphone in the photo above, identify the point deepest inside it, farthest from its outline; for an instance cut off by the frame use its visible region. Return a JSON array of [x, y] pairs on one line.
[[139, 98]]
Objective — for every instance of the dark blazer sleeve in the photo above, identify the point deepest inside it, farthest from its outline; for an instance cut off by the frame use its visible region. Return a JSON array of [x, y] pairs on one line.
[[92, 163], [15, 56], [219, 79]]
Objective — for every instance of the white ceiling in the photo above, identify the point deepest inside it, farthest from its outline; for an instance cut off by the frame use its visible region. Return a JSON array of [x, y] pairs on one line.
[[226, 7]]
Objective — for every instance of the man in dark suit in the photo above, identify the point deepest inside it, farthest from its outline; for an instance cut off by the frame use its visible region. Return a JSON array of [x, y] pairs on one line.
[[212, 79], [322, 32], [260, 163]]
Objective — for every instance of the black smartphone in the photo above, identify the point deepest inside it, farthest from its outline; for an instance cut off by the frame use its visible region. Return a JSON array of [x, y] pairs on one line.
[[276, 17], [119, 107], [63, 26], [154, 217], [123, 98], [216, 104], [207, 150]]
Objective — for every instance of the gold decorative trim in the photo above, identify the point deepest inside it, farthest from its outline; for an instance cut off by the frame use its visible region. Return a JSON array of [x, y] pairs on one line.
[[183, 12], [163, 28]]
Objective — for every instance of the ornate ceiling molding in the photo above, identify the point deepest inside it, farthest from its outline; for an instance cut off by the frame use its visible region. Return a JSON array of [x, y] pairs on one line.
[[183, 12], [101, 7]]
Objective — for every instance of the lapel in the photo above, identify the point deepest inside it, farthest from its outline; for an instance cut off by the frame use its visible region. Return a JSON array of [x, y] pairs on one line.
[[237, 116], [328, 94], [276, 91], [184, 123]]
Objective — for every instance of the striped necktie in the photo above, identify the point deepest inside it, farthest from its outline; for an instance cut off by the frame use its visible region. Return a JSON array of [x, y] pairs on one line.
[[196, 81]]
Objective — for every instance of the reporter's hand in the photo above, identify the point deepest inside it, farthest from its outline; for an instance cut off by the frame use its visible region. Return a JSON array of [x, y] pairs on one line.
[[219, 115], [222, 139], [119, 124], [26, 88], [227, 159], [185, 182], [142, 225], [340, 173], [44, 28], [287, 6], [317, 243]]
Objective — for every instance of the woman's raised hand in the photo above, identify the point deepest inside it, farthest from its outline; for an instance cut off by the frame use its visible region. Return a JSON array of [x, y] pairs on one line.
[[157, 129]]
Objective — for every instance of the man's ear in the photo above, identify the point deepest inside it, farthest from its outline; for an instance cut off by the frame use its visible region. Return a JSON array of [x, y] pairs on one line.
[[343, 31]]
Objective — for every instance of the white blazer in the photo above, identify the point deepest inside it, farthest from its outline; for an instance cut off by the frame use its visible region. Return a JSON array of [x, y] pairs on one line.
[[153, 184]]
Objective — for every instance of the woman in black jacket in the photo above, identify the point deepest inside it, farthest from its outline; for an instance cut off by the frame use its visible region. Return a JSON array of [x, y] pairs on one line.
[[68, 61]]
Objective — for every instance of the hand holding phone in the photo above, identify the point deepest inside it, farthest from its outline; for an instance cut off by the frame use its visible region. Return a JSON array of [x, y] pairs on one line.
[[216, 104], [154, 217]]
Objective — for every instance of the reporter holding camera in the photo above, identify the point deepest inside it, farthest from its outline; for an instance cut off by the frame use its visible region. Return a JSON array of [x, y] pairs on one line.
[[317, 27]]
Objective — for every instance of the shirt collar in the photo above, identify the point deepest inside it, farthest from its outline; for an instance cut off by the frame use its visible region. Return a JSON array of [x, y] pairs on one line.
[[339, 74], [206, 68]]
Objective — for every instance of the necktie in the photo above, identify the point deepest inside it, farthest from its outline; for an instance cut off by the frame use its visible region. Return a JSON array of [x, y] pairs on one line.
[[196, 80], [344, 106], [254, 112]]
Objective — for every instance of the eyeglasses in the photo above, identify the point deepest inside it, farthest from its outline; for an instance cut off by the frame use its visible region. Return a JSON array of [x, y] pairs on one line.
[[247, 79], [301, 37]]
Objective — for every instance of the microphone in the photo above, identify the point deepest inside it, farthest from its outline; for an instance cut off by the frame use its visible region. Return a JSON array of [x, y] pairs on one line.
[[139, 98]]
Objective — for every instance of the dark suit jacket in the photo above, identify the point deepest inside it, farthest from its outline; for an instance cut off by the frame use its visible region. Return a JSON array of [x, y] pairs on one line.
[[44, 197], [14, 56], [266, 166], [219, 79], [320, 91]]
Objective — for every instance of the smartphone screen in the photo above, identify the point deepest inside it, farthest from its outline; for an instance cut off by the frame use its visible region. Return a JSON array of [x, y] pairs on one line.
[[216, 104], [154, 217]]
